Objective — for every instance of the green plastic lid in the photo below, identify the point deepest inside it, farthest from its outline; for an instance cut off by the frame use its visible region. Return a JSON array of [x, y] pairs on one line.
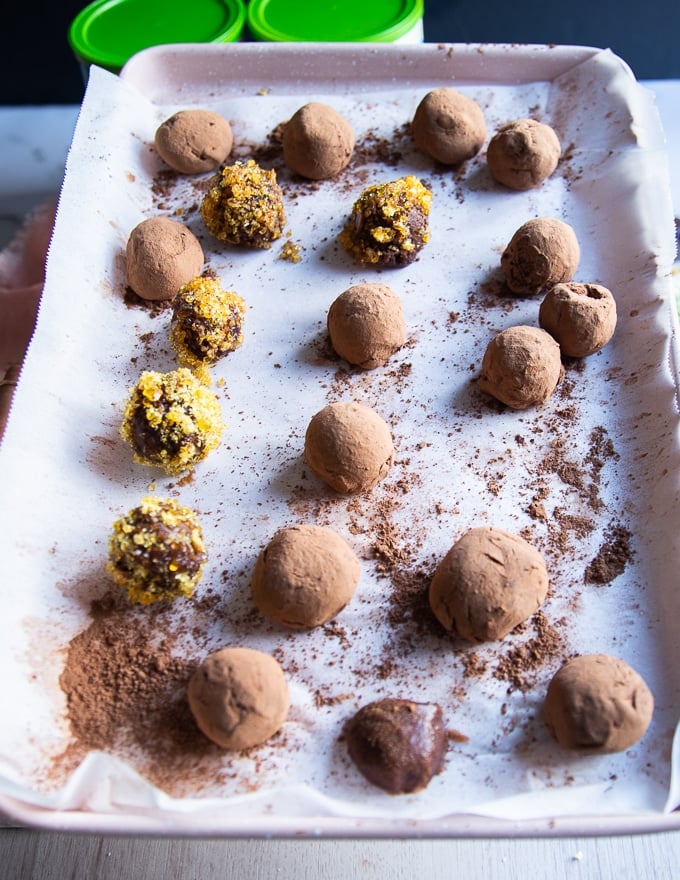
[[379, 21], [109, 32]]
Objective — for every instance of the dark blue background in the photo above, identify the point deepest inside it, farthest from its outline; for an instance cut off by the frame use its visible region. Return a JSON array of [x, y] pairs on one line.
[[37, 67]]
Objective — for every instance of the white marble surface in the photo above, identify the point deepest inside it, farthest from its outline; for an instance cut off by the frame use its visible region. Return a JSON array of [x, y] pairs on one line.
[[34, 143]]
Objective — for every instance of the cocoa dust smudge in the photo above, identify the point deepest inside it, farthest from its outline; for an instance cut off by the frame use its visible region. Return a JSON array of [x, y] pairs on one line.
[[611, 559]]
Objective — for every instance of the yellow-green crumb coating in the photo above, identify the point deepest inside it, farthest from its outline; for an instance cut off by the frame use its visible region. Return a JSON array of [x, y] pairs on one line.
[[156, 551], [171, 420], [206, 324], [388, 225], [244, 205]]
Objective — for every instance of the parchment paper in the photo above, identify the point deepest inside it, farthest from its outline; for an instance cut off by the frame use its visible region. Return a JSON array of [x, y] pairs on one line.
[[461, 460]]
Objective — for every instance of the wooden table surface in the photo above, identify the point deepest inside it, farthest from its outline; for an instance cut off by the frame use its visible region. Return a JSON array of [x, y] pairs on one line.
[[40, 855]]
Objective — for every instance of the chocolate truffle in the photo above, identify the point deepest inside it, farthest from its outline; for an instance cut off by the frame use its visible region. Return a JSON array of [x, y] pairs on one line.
[[448, 126], [597, 703], [156, 551], [366, 324], [304, 576], [194, 141], [521, 367], [171, 420], [239, 697], [317, 141], [522, 153], [162, 255], [206, 324], [396, 744], [489, 582], [542, 252], [349, 446], [581, 317], [244, 206], [389, 223]]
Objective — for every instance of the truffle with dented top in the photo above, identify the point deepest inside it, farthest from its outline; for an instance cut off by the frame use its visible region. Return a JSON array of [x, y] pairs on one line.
[[244, 206], [206, 324], [366, 324], [156, 551], [161, 255], [349, 446], [304, 576], [398, 745], [389, 223], [581, 317], [598, 703], [448, 126], [523, 153], [194, 141], [239, 697], [489, 582], [171, 420], [317, 141]]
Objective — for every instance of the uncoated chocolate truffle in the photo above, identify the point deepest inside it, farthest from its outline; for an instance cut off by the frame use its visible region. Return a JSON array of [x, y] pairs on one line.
[[317, 141], [366, 324], [522, 153], [162, 255], [521, 367], [398, 745], [448, 126], [489, 582], [581, 317], [542, 252], [349, 446], [304, 576], [193, 141], [597, 703], [239, 697]]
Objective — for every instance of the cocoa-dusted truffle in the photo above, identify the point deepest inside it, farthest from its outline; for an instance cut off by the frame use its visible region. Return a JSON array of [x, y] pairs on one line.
[[523, 153], [171, 420], [542, 252], [244, 205], [317, 141], [304, 576], [397, 744], [581, 317], [206, 324], [489, 582], [349, 446], [366, 324], [598, 703], [449, 126], [389, 223], [239, 697], [156, 551], [194, 141], [162, 255], [521, 367]]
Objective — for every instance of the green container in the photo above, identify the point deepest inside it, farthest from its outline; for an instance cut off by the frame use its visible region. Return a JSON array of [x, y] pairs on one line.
[[109, 32], [337, 21]]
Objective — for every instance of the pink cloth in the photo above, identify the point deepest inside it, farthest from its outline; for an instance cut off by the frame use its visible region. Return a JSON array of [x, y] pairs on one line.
[[22, 270]]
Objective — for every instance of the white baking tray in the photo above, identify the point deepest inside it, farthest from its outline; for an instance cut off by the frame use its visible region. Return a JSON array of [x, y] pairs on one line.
[[600, 457]]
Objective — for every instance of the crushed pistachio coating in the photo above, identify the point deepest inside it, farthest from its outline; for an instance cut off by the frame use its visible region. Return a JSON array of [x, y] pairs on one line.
[[156, 551], [244, 205], [171, 420], [206, 324], [388, 225]]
